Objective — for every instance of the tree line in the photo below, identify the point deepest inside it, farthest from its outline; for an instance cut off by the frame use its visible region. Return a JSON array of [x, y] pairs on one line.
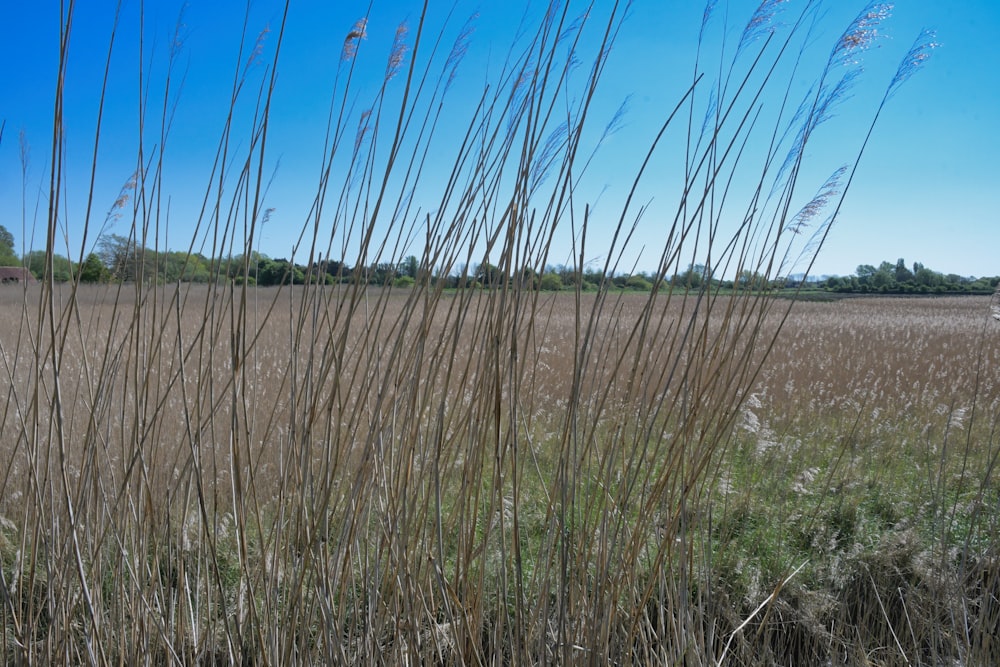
[[120, 259], [901, 278]]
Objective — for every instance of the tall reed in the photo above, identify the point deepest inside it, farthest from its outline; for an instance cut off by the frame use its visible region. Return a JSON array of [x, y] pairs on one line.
[[350, 474]]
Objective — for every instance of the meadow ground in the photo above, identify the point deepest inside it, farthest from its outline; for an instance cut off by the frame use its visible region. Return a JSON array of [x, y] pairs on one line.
[[492, 476], [219, 474]]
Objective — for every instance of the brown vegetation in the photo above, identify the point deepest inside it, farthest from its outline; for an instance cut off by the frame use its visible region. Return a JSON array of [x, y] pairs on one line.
[[341, 474], [351, 477]]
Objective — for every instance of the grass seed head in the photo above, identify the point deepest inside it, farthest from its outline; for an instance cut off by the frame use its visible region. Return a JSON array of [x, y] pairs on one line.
[[354, 37], [861, 34]]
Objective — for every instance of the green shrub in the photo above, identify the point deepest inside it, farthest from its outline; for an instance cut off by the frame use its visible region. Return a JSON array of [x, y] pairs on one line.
[[550, 282]]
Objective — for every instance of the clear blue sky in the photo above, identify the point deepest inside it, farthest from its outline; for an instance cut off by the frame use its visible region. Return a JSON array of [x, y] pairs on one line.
[[928, 188]]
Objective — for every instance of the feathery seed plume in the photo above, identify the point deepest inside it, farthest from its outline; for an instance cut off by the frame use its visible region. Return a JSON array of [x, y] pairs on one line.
[[399, 49], [830, 189], [914, 59], [459, 49], [710, 110], [707, 15], [861, 34], [617, 120], [177, 43], [123, 197], [761, 23], [363, 129], [258, 47], [357, 33], [547, 155]]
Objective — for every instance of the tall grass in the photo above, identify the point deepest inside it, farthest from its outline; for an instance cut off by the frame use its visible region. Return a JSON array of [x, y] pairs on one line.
[[346, 474]]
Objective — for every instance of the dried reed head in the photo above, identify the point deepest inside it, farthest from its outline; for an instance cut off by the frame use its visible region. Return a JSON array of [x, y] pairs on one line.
[[398, 53], [258, 47], [357, 33], [914, 59], [826, 194], [761, 23], [459, 49], [861, 34], [707, 14], [123, 197], [364, 127]]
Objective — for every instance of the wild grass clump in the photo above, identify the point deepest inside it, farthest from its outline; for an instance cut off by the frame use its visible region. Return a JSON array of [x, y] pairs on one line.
[[848, 463], [342, 473]]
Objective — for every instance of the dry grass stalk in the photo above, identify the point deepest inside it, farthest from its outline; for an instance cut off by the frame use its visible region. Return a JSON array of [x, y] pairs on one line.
[[354, 474]]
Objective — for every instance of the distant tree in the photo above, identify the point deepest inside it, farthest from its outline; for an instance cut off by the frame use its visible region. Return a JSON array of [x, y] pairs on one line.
[[981, 285], [488, 275], [279, 272], [593, 278], [62, 268], [550, 282], [93, 270], [884, 278], [198, 269], [752, 280], [694, 277], [271, 272], [568, 275], [120, 256], [382, 273], [8, 256], [528, 278], [409, 267], [901, 273], [864, 272], [638, 282], [926, 277], [338, 271]]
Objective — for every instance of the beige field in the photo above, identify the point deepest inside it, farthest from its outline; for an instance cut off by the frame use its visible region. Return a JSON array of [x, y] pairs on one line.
[[361, 475], [201, 471]]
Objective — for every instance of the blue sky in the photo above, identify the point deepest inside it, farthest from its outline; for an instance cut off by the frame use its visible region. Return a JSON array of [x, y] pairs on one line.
[[926, 189]]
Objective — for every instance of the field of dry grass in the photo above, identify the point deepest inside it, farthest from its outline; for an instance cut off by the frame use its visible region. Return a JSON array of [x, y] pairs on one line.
[[867, 455], [351, 476], [220, 474]]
